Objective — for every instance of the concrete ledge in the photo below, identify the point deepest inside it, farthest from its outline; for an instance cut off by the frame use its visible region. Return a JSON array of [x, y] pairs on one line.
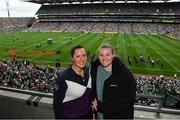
[[14, 105]]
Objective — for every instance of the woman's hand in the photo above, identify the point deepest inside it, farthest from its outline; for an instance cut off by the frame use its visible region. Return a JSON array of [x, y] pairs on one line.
[[94, 104]]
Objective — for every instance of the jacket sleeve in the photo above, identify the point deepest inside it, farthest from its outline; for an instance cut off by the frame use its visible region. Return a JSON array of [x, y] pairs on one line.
[[126, 90], [93, 82], [59, 94], [130, 90], [124, 103]]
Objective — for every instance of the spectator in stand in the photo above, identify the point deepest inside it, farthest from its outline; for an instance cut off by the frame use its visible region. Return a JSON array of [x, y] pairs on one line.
[[162, 66], [113, 85], [135, 59], [73, 89], [24, 76], [129, 59]]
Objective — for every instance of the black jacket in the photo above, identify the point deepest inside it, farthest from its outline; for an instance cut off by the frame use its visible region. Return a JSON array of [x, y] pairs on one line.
[[119, 91]]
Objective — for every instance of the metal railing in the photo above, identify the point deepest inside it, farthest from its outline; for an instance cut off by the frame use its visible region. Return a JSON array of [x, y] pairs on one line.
[[157, 109]]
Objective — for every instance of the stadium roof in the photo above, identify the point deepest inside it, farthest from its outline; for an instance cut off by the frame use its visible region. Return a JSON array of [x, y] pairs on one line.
[[97, 1]]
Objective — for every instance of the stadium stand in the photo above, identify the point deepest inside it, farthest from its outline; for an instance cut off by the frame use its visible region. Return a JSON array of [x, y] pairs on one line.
[[41, 79], [8, 24], [159, 18], [121, 16]]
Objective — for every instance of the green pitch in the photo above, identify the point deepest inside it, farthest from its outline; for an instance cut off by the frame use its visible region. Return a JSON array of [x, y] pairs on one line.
[[33, 46]]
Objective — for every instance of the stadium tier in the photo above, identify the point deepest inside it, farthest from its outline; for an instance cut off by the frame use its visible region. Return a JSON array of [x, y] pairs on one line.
[[96, 1], [110, 17], [155, 20], [9, 24], [144, 34], [146, 12]]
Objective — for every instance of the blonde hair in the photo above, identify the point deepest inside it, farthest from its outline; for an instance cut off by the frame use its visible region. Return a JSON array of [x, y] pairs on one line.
[[106, 45]]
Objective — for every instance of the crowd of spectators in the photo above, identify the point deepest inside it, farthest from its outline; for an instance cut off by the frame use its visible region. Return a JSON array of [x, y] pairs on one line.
[[155, 85], [49, 26], [39, 78], [8, 24], [74, 27], [112, 27], [18, 75], [91, 9], [28, 77], [43, 26], [100, 27], [86, 27], [110, 18]]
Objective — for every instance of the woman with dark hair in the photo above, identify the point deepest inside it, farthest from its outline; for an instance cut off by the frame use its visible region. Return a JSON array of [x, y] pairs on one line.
[[73, 89]]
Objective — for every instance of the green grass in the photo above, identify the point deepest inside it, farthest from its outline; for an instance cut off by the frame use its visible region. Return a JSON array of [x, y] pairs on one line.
[[157, 46]]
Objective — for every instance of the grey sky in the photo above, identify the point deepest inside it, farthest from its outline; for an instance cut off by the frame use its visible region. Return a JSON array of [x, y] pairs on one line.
[[18, 8]]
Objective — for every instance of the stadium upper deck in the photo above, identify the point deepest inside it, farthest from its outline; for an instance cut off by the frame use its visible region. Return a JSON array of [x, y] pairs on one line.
[[146, 12], [98, 1], [108, 16], [111, 9]]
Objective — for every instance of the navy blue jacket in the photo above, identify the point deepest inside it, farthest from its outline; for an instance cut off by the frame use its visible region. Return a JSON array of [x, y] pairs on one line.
[[72, 95]]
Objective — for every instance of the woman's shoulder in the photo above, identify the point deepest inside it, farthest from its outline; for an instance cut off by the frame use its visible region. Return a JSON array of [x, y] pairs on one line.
[[117, 61], [95, 63], [86, 68], [64, 75]]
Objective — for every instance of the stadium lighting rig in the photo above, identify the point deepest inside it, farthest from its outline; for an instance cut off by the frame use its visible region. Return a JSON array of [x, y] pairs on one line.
[[7, 6], [8, 12]]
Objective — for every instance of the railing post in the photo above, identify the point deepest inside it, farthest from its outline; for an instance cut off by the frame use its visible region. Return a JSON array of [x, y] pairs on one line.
[[161, 102], [29, 100], [35, 102]]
